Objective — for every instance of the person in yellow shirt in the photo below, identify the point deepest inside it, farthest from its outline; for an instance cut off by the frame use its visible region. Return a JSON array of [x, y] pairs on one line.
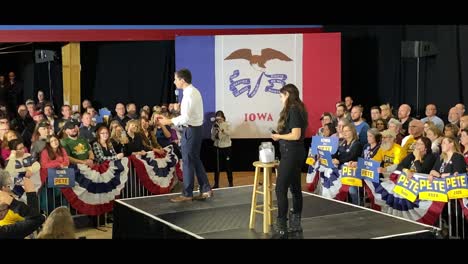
[[390, 153], [18, 219], [416, 130]]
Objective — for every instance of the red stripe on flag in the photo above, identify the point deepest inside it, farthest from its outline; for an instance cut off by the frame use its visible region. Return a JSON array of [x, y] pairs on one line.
[[321, 75]]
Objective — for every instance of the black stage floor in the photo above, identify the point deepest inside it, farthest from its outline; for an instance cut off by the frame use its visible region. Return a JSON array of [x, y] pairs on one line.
[[227, 214]]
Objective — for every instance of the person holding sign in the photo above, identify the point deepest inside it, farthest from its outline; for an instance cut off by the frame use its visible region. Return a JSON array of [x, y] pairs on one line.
[[349, 150], [374, 139], [53, 156], [329, 130], [451, 162], [421, 160], [292, 125]]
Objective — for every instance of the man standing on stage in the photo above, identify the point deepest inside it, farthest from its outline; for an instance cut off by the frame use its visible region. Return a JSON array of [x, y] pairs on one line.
[[191, 119]]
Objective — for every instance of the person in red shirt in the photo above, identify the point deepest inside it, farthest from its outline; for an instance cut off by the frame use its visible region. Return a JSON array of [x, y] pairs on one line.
[[54, 155]]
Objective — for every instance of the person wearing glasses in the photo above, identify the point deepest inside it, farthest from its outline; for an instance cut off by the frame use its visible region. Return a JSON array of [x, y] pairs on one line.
[[102, 147]]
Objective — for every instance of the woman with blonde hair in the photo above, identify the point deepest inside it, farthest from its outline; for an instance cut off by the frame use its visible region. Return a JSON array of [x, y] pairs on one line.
[[451, 160], [59, 225], [135, 144], [386, 112], [118, 137], [349, 150], [148, 135]]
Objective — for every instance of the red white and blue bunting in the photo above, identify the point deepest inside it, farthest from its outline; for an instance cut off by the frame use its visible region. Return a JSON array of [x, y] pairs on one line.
[[96, 188], [157, 173]]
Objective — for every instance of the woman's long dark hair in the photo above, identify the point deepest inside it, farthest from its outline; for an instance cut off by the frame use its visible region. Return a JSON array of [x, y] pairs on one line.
[[52, 154], [293, 101]]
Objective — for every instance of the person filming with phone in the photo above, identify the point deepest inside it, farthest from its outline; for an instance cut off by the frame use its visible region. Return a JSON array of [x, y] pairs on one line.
[[220, 134]]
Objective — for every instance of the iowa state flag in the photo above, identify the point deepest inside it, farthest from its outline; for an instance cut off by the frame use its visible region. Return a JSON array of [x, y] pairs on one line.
[[242, 74]]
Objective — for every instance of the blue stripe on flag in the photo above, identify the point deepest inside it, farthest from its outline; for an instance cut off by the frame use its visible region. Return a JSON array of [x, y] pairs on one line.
[[198, 55]]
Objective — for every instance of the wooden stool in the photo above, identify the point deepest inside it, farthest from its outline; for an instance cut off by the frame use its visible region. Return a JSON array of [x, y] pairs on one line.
[[267, 195]]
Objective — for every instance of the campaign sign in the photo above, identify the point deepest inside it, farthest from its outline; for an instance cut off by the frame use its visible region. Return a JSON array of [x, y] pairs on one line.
[[431, 191], [456, 186], [368, 169], [325, 159], [329, 144], [349, 177], [60, 178], [407, 188]]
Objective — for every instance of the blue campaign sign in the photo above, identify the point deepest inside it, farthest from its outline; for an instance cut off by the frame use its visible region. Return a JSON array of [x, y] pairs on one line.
[[329, 144], [368, 169], [60, 178], [325, 159]]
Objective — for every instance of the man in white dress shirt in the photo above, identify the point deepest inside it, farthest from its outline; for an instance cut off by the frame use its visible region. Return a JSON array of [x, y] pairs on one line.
[[191, 118]]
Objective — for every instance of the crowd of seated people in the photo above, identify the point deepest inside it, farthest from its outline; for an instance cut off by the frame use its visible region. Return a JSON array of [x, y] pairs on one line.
[[398, 141], [33, 137]]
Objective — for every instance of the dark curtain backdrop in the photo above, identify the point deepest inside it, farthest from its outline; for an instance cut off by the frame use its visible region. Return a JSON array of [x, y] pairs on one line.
[[48, 75], [139, 72], [373, 71], [48, 78], [22, 64]]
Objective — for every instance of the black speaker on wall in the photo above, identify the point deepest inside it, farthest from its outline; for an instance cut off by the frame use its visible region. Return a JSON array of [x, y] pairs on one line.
[[44, 55], [418, 49]]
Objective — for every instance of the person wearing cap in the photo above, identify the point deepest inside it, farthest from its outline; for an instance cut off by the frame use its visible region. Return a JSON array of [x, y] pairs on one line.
[[39, 138], [31, 106], [390, 154], [325, 118], [38, 116], [78, 148]]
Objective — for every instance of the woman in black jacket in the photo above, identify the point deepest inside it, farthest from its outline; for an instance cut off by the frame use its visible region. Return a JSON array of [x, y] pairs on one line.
[[421, 160]]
